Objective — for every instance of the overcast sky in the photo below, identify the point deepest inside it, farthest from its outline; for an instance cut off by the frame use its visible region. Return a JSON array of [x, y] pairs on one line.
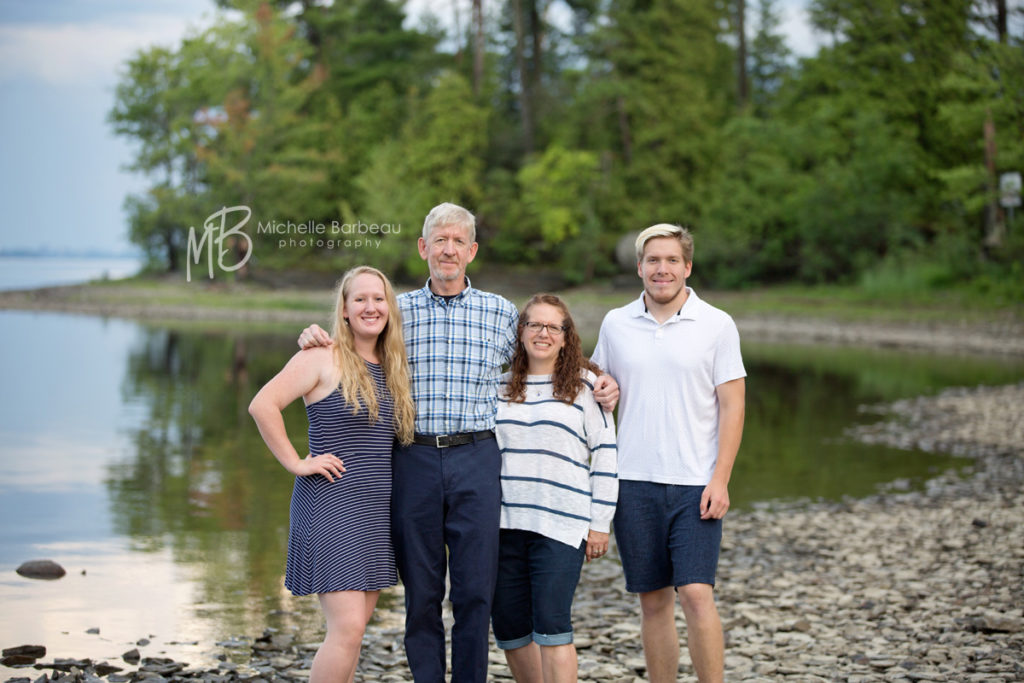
[[61, 180]]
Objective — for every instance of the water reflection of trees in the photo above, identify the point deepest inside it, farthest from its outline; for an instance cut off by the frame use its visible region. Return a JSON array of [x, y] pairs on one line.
[[801, 399], [200, 482], [199, 479]]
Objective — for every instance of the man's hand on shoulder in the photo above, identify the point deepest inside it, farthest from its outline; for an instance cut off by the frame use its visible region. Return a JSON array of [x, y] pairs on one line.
[[606, 391], [314, 336]]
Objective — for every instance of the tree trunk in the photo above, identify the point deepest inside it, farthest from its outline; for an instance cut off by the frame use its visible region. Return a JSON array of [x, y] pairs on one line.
[[458, 31], [1001, 20], [170, 248], [537, 63], [742, 81], [525, 105], [994, 225], [479, 47]]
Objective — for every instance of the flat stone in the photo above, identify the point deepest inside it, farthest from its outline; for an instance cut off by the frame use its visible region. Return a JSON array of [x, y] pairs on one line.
[[41, 569], [104, 669], [35, 651], [1000, 623], [17, 660], [65, 664]]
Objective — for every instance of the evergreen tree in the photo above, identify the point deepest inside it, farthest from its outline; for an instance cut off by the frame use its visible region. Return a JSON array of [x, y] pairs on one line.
[[673, 75], [769, 58]]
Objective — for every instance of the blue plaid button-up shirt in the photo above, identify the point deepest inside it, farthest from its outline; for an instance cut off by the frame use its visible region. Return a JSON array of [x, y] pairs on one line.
[[456, 351]]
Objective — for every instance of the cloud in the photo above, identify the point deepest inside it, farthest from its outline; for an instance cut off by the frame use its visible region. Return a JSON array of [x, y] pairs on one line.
[[82, 53]]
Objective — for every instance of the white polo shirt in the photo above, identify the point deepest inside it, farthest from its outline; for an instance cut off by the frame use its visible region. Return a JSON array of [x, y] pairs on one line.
[[667, 374]]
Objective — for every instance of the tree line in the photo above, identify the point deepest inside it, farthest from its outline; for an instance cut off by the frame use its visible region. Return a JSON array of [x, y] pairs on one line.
[[565, 124]]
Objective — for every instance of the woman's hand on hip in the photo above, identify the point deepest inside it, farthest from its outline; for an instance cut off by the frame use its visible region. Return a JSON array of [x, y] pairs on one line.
[[327, 464]]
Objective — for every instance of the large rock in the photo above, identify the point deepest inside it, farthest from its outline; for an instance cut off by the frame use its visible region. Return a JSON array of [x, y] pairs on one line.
[[35, 651], [41, 569], [625, 251]]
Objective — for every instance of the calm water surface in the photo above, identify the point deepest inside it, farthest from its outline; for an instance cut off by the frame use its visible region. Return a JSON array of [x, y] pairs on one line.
[[28, 272], [128, 456]]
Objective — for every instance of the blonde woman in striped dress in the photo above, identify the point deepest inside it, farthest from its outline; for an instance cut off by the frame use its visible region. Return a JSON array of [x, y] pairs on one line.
[[357, 398]]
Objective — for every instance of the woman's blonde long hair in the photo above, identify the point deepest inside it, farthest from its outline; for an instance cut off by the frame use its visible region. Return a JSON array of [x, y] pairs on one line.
[[357, 384]]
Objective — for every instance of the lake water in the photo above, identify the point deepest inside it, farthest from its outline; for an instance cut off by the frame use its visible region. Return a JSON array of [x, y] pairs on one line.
[[29, 272], [129, 457]]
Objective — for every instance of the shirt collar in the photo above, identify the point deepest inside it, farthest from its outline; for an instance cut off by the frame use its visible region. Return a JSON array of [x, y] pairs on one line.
[[461, 296], [638, 309]]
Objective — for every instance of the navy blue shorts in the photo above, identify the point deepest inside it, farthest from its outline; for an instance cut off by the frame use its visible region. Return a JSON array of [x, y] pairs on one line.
[[661, 538], [537, 578]]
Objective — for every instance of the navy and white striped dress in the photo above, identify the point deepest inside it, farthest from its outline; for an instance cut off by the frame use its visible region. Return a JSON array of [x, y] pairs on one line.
[[340, 535]]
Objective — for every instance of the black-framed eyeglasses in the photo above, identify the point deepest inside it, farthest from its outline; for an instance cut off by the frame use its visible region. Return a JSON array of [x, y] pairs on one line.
[[553, 330]]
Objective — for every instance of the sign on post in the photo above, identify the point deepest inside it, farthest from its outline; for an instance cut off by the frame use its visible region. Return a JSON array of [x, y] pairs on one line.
[[1009, 190]]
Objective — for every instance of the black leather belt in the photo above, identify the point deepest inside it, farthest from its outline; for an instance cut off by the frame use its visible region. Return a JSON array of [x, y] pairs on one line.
[[447, 440]]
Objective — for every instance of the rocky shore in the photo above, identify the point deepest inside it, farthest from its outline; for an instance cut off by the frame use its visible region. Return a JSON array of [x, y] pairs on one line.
[[915, 585]]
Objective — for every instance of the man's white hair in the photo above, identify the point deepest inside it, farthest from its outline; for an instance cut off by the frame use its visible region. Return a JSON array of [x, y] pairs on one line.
[[449, 214]]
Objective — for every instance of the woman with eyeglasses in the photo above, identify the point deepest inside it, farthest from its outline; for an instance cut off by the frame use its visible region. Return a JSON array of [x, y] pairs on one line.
[[558, 491]]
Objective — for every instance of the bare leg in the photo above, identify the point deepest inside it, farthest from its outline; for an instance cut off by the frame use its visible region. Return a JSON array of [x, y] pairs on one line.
[[661, 641], [704, 629], [525, 663], [346, 613], [559, 662]]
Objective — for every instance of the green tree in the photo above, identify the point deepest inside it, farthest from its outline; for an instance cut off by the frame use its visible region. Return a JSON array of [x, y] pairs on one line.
[[769, 58], [871, 133], [437, 157], [558, 191], [673, 75], [748, 232], [983, 90], [268, 152], [159, 103], [373, 64]]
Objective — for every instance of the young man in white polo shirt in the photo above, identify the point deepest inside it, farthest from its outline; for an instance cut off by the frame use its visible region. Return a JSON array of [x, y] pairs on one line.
[[681, 377]]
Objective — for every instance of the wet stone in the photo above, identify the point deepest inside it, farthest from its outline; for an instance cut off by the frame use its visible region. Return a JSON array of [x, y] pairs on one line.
[[17, 660], [104, 669], [47, 570]]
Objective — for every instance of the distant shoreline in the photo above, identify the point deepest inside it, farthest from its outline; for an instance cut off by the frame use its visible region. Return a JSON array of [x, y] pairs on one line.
[[44, 253], [232, 303], [27, 270]]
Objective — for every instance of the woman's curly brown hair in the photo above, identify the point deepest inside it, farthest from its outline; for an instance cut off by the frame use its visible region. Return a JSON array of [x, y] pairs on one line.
[[568, 375]]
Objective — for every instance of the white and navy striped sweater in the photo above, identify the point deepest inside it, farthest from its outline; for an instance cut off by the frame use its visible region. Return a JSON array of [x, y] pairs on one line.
[[558, 462]]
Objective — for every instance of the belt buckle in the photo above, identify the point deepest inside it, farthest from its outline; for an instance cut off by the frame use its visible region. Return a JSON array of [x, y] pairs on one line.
[[441, 440]]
